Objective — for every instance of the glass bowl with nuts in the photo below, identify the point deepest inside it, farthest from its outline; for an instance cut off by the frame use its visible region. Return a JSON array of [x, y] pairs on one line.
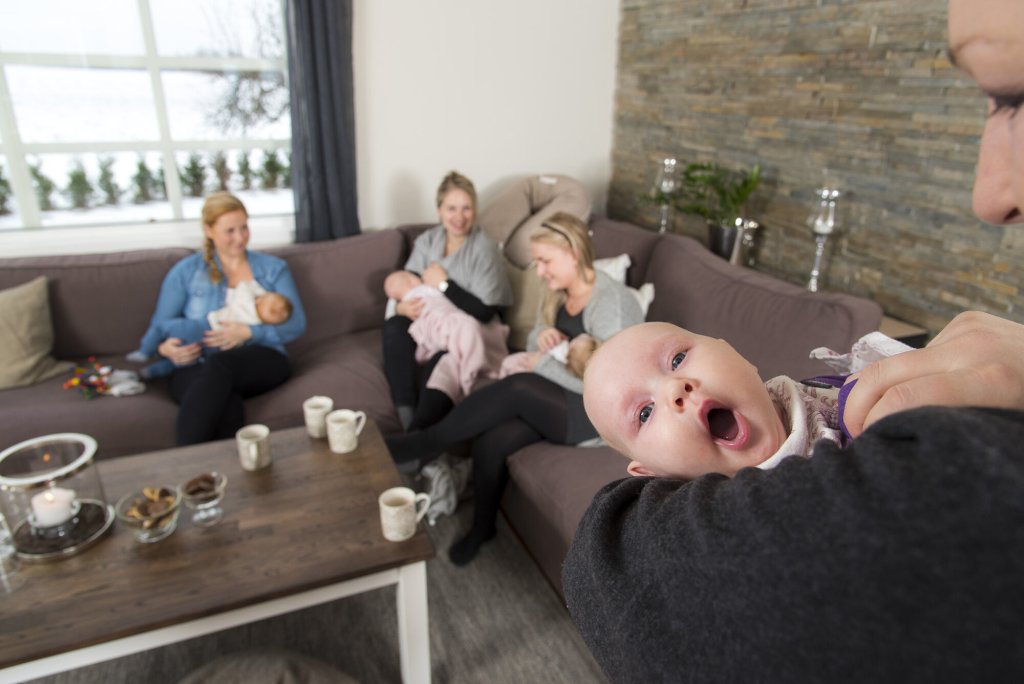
[[151, 513]]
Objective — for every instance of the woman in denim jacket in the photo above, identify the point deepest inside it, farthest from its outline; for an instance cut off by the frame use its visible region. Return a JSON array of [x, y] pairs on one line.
[[251, 358]]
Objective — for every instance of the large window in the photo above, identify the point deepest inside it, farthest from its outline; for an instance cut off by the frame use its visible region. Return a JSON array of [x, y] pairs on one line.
[[130, 111]]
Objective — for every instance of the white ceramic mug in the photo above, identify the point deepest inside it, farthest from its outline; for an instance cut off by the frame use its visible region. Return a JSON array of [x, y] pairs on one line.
[[400, 510], [343, 428], [315, 410], [253, 446]]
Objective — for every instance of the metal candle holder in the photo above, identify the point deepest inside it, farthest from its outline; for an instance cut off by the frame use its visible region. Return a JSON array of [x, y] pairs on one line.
[[666, 183], [823, 222]]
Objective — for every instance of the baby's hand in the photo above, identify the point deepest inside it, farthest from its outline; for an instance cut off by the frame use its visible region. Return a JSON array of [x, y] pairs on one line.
[[548, 338]]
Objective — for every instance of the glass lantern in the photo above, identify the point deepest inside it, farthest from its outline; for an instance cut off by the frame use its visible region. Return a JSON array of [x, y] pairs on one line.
[[665, 185], [52, 497], [823, 223]]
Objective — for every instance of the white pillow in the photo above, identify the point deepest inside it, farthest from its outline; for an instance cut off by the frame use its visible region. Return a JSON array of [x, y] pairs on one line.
[[616, 267], [645, 295]]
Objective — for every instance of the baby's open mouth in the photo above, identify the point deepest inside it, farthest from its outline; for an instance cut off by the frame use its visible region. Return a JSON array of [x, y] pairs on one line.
[[722, 424]]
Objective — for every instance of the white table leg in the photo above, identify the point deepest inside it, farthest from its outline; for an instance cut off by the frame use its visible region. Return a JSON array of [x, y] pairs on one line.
[[413, 623]]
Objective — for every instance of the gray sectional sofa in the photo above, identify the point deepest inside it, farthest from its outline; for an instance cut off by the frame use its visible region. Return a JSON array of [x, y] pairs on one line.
[[100, 305]]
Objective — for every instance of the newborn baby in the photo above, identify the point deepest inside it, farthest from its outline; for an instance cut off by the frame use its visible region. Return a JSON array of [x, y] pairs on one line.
[[682, 405]]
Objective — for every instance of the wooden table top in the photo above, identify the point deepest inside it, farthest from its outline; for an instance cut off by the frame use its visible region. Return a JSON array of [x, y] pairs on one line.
[[309, 520]]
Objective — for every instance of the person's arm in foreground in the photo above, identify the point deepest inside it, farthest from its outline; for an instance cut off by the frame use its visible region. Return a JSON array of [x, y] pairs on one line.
[[977, 360], [898, 559]]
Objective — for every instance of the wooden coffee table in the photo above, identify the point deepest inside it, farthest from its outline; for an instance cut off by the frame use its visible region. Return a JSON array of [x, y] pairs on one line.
[[302, 532]]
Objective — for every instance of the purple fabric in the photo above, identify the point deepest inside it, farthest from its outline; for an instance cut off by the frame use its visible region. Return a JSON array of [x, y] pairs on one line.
[[844, 392]]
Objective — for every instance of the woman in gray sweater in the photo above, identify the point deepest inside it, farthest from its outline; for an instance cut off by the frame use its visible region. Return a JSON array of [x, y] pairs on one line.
[[546, 404]]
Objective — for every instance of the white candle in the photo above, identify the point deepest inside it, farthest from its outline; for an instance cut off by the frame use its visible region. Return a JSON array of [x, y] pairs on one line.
[[53, 506]]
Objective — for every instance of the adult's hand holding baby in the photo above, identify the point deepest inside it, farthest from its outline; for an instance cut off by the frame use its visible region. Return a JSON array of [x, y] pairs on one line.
[[179, 354], [231, 334], [549, 338], [977, 360], [410, 308], [434, 275]]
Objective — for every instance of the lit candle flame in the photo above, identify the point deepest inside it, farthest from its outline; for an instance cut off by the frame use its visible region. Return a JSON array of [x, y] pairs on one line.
[[49, 496], [46, 457]]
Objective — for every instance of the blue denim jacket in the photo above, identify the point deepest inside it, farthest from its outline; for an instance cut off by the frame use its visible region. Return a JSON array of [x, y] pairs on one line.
[[188, 292]]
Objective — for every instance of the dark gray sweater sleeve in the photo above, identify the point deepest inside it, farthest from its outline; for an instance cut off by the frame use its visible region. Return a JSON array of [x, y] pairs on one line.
[[900, 558]]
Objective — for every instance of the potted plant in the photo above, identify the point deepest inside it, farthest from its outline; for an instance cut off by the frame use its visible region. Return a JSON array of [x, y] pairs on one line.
[[717, 195]]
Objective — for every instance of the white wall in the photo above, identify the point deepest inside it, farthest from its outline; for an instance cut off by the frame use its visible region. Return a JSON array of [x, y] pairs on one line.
[[496, 90]]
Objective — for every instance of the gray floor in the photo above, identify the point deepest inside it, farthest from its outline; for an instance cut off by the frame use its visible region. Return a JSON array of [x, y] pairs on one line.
[[495, 620]]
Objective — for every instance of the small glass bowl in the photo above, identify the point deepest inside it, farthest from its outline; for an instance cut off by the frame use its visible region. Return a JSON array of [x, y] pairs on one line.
[[203, 494], [151, 512]]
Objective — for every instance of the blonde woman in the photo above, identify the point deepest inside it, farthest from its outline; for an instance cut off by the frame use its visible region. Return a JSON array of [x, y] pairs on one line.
[[457, 258], [251, 358], [546, 404]]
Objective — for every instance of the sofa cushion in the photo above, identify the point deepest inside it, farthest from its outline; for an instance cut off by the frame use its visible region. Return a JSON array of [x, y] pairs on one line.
[[26, 335], [349, 369], [772, 323], [120, 425], [341, 282], [550, 487], [612, 238], [100, 303]]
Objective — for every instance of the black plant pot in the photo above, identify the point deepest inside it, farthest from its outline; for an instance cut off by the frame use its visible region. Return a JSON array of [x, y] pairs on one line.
[[722, 239], [733, 243]]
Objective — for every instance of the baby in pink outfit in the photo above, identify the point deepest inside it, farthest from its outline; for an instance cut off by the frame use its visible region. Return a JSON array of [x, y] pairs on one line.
[[474, 350]]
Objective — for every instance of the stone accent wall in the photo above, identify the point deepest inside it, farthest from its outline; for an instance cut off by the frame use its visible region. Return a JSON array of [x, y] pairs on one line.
[[861, 87]]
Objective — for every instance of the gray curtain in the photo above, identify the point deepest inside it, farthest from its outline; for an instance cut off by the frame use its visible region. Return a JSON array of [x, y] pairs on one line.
[[323, 123]]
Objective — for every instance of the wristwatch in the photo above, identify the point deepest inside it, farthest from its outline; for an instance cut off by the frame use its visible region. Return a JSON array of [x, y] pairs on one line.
[[443, 286]]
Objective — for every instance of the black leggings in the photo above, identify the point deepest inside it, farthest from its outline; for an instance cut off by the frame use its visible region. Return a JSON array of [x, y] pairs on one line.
[[407, 379], [501, 419], [400, 360], [210, 394]]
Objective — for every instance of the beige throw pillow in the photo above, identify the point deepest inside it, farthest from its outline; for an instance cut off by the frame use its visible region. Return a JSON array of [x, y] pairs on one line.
[[522, 207], [26, 335], [527, 290]]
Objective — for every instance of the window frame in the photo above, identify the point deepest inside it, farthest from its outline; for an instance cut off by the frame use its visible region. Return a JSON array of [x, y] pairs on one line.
[[15, 151]]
